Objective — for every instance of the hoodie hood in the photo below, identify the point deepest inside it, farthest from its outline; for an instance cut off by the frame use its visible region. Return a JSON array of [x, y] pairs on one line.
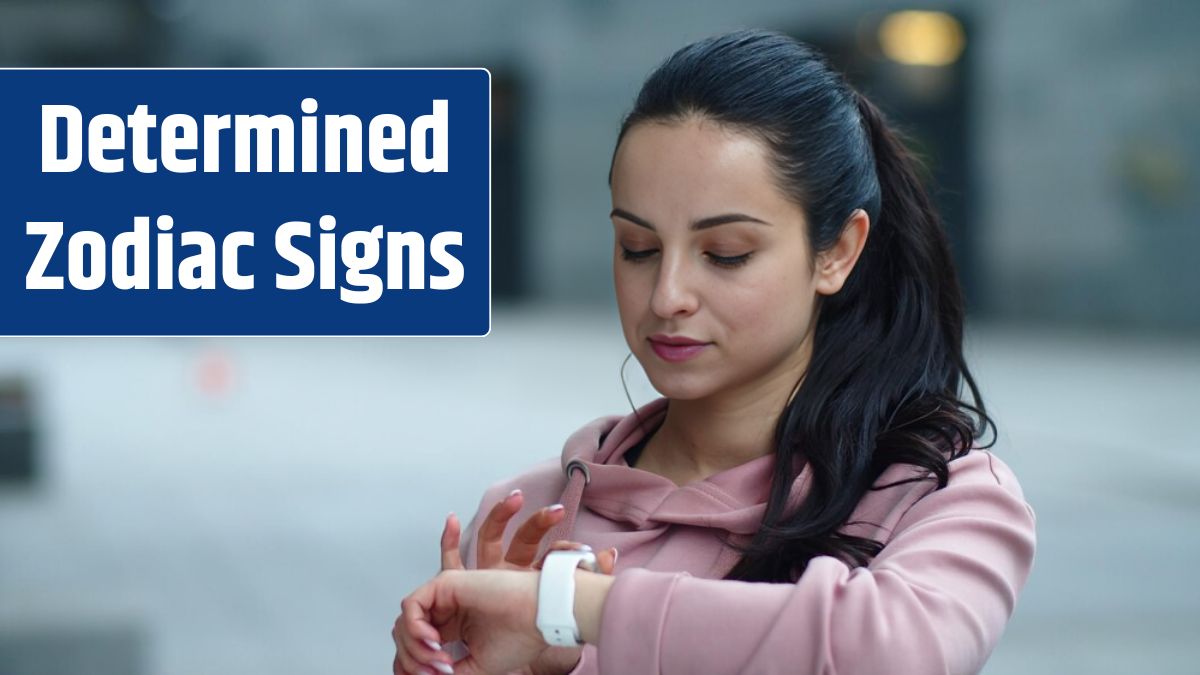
[[733, 500]]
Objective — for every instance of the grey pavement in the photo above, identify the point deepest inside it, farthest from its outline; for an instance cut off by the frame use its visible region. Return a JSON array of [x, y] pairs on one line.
[[260, 506]]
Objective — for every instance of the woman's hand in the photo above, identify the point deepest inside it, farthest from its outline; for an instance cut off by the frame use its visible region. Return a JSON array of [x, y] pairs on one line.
[[520, 556], [494, 611], [522, 551]]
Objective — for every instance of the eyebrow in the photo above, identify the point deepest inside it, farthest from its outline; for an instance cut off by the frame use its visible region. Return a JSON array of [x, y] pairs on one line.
[[702, 224]]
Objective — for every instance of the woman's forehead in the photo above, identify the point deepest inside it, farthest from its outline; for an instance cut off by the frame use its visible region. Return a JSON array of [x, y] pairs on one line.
[[693, 169]]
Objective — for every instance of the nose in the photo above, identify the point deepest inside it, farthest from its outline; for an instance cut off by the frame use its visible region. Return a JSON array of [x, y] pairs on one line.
[[674, 289]]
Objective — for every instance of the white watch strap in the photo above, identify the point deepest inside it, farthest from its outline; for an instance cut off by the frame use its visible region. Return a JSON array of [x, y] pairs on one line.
[[556, 596]]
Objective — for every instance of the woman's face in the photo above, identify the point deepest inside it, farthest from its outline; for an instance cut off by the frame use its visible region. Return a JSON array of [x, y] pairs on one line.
[[710, 262]]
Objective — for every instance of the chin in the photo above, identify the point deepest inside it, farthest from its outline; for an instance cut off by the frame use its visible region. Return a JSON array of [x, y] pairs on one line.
[[680, 386]]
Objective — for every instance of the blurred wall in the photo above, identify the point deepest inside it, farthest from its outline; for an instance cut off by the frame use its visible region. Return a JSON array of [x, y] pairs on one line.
[[1087, 147]]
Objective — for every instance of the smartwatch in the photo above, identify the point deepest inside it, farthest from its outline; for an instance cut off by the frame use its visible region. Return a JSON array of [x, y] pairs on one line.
[[556, 596]]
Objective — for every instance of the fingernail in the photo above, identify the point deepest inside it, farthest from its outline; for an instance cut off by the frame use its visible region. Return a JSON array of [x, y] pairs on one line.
[[443, 667], [556, 507], [585, 547], [514, 493], [431, 644], [615, 553]]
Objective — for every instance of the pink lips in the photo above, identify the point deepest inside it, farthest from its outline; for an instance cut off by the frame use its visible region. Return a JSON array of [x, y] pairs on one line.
[[676, 348]]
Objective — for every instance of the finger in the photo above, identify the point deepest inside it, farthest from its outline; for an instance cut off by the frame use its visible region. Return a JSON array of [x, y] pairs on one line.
[[403, 663], [606, 560], [430, 658], [491, 533], [407, 646], [420, 655], [413, 622], [523, 549], [399, 669], [417, 669], [471, 666], [560, 545], [418, 639], [451, 537]]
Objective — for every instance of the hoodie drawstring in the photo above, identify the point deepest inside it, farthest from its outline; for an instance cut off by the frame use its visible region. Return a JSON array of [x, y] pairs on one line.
[[578, 476]]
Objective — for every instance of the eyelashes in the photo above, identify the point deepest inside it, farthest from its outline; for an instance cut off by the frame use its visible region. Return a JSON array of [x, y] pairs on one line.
[[727, 261], [635, 256]]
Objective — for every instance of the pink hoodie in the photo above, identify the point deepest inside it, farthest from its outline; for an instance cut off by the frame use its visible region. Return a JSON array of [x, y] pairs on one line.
[[935, 599]]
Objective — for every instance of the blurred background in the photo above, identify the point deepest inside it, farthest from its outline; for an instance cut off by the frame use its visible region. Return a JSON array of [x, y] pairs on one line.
[[194, 506]]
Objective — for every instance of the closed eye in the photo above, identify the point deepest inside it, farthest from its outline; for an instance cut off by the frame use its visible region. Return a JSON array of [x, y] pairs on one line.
[[729, 260], [635, 256]]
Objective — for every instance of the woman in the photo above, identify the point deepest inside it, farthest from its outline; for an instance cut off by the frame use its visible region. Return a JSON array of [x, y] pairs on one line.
[[808, 496]]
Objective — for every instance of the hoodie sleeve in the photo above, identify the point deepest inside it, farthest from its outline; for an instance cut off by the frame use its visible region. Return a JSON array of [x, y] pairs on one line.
[[935, 600]]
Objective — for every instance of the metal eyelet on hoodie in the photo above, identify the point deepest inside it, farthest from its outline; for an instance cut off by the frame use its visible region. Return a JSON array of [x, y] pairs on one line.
[[578, 464]]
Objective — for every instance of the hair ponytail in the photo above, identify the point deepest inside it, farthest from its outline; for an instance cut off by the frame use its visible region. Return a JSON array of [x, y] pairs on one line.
[[921, 253], [884, 382]]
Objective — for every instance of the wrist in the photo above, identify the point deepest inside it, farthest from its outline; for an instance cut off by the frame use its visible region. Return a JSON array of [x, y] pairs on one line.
[[591, 591]]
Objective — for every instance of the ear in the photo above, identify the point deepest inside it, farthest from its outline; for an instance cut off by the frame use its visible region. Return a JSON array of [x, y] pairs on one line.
[[834, 265]]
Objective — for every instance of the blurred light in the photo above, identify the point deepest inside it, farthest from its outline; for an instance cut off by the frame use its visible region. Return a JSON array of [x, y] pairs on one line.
[[1156, 171], [919, 38], [214, 373]]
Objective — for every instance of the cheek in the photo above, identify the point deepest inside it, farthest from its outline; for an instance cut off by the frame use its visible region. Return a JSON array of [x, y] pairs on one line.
[[621, 286], [773, 306], [629, 296]]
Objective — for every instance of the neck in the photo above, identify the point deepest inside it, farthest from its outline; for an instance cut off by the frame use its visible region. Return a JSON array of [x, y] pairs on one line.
[[702, 437]]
